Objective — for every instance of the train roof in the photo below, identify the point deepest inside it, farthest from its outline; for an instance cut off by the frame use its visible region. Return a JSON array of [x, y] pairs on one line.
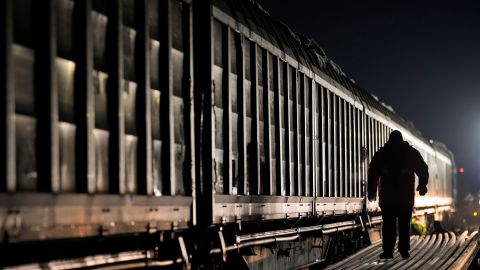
[[306, 51]]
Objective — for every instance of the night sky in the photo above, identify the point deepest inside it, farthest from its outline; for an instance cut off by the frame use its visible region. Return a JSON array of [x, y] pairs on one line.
[[421, 57]]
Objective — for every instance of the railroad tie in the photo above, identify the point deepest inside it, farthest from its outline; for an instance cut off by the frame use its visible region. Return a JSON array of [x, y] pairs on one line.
[[437, 251]]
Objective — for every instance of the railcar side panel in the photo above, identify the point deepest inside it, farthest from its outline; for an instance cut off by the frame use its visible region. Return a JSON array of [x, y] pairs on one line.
[[102, 108]]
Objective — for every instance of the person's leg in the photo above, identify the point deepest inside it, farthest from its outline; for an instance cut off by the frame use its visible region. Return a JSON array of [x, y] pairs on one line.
[[404, 219], [389, 232]]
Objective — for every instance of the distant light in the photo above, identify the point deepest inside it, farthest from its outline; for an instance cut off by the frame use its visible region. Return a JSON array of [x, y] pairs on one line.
[[475, 213], [461, 170]]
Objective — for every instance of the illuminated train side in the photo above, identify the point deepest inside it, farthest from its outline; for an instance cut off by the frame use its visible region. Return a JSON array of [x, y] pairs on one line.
[[169, 117], [324, 128]]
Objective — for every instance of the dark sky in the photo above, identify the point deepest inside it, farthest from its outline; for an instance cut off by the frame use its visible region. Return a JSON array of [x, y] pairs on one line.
[[421, 57]]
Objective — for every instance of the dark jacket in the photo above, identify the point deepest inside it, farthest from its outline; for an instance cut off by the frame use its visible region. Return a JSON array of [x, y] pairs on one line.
[[392, 169]]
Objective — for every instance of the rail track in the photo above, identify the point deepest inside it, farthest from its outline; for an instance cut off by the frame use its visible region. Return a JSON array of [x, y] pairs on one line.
[[436, 251]]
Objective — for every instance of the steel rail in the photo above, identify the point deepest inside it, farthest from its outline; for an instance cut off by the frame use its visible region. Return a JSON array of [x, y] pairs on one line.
[[459, 259], [396, 257], [430, 252], [443, 251], [420, 241], [420, 252], [438, 251], [451, 250], [468, 254]]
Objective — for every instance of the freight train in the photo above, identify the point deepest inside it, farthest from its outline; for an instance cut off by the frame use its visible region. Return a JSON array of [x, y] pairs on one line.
[[185, 134]]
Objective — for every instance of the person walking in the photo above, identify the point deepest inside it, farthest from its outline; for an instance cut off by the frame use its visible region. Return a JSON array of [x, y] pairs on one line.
[[392, 170]]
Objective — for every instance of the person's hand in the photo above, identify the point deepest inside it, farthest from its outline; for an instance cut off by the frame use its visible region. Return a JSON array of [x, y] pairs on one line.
[[422, 190], [372, 197]]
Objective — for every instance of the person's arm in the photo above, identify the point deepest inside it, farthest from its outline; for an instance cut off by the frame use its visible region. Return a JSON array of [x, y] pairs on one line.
[[421, 169], [373, 176]]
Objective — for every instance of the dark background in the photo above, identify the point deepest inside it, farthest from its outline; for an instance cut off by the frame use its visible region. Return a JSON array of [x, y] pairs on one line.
[[421, 57]]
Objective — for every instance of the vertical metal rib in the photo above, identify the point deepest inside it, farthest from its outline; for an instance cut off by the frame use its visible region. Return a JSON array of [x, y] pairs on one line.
[[354, 152], [371, 133], [84, 97], [302, 135], [278, 127], [340, 152], [329, 137], [286, 98], [313, 139], [303, 94], [350, 151], [385, 134], [267, 178], [7, 100], [358, 145], [143, 101], [242, 169], [335, 146], [227, 111], [295, 133], [361, 143], [366, 142], [380, 134], [359, 148], [116, 115], [376, 132], [46, 96], [166, 101], [255, 186], [346, 149], [344, 152], [374, 136], [188, 80], [355, 148], [323, 143], [369, 138], [203, 92]]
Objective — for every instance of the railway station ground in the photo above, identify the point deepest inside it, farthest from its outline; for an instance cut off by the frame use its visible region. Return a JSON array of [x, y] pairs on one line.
[[435, 251]]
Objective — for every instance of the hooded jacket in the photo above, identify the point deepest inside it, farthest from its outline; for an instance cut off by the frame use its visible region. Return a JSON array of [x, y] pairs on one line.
[[392, 170]]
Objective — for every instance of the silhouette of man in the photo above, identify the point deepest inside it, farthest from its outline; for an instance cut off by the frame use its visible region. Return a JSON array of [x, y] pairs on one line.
[[392, 169]]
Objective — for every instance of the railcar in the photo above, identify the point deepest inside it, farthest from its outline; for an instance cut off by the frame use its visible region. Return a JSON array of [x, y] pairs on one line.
[[195, 131]]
